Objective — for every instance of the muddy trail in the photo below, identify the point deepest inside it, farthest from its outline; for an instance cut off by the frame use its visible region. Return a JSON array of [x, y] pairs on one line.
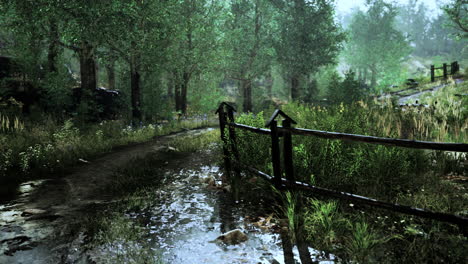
[[190, 210], [414, 93], [43, 210]]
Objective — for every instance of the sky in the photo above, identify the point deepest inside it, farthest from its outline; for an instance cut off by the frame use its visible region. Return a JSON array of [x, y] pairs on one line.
[[346, 5]]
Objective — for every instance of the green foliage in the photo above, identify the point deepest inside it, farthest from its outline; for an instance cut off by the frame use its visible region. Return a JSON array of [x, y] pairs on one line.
[[323, 224], [348, 90], [414, 180], [360, 245], [253, 148], [457, 13], [49, 147], [374, 45], [198, 142]]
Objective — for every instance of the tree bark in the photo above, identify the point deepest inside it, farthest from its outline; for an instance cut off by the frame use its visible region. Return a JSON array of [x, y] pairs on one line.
[[110, 68], [53, 49], [87, 68], [177, 89], [170, 86], [373, 77], [269, 85], [247, 95], [364, 80], [295, 87], [183, 95], [135, 88]]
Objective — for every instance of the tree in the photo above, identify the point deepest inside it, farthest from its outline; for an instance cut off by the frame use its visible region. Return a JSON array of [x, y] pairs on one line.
[[308, 39], [442, 39], [347, 90], [458, 14], [413, 21], [248, 40], [145, 25], [194, 44], [374, 45]]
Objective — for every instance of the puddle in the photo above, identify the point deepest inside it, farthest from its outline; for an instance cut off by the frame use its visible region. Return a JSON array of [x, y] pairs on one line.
[[187, 218]]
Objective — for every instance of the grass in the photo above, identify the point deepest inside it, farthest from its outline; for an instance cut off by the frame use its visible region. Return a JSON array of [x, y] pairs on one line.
[[417, 178], [44, 148], [120, 238], [198, 142], [117, 237]]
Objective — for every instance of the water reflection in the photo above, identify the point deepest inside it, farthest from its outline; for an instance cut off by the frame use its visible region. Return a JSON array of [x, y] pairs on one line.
[[188, 217]]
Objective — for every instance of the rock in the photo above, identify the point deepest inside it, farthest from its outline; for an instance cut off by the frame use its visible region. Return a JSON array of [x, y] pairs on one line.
[[227, 188], [83, 161], [33, 211], [210, 181], [171, 149], [233, 237]]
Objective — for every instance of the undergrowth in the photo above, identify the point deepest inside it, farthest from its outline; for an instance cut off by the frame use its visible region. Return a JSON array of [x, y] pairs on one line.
[[418, 178], [44, 148]]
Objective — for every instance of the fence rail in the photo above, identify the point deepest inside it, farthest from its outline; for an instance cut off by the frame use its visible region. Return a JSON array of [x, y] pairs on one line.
[[286, 131], [454, 68]]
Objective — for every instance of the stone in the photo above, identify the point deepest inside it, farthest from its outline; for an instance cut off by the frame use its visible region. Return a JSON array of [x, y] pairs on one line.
[[232, 237], [33, 211]]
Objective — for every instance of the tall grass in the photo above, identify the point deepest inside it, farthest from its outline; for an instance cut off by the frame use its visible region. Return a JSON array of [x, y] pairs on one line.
[[43, 148], [406, 176]]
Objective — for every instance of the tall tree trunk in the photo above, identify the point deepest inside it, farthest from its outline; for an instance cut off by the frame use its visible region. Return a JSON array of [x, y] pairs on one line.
[[54, 48], [110, 68], [373, 77], [269, 84], [183, 97], [87, 69], [295, 87], [247, 95], [170, 86], [364, 80], [135, 88], [177, 93]]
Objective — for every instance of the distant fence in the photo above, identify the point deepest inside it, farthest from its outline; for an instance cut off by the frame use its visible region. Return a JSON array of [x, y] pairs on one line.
[[454, 68], [226, 119]]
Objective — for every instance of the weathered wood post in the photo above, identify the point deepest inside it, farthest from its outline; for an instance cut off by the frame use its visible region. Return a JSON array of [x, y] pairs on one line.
[[232, 134], [235, 181], [287, 150], [222, 126], [445, 71], [454, 68], [432, 73], [275, 153]]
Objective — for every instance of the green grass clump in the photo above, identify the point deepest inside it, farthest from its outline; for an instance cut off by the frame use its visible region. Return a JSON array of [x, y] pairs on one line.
[[197, 142], [44, 148], [411, 177]]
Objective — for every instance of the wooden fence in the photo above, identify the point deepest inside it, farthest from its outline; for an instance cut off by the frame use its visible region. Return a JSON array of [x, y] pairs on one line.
[[454, 68], [226, 119]]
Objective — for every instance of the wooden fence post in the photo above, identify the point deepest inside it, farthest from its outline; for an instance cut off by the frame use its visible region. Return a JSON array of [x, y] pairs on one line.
[[275, 150], [454, 68], [232, 133], [432, 73], [445, 71], [275, 153], [287, 151], [234, 150], [222, 125]]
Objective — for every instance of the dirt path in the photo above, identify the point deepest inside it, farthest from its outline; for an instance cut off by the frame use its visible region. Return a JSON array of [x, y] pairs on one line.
[[32, 224]]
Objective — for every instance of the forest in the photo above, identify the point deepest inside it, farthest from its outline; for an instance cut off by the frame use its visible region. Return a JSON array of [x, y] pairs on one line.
[[233, 131]]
